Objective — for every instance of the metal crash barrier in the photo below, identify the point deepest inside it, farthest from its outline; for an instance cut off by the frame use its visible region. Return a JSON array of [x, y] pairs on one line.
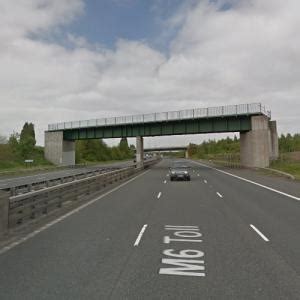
[[19, 209]]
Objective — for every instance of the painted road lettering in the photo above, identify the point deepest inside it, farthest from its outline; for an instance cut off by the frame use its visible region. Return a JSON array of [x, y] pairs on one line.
[[188, 262], [186, 232]]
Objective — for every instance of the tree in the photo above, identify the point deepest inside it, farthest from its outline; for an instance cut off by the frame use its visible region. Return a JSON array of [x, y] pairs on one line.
[[14, 143], [124, 149], [28, 131], [27, 140], [23, 145], [116, 153]]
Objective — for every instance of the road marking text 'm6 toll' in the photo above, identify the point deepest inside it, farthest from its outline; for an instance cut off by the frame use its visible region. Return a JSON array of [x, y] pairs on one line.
[[188, 262]]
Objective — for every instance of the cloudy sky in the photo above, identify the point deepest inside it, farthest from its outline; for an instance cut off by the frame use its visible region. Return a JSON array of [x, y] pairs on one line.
[[63, 60]]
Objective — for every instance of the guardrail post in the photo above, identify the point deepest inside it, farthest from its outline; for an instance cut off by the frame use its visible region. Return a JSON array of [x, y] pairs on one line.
[[4, 210]]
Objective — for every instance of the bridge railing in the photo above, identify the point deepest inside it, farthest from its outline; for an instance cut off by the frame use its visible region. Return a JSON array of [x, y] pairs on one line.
[[19, 209], [230, 110]]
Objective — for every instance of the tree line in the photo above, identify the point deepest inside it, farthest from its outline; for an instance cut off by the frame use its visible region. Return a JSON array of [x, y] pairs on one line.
[[98, 150], [289, 143], [22, 146], [19, 147], [213, 148]]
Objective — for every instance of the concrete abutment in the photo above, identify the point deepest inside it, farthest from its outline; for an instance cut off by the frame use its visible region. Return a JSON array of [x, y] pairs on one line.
[[260, 144], [57, 150]]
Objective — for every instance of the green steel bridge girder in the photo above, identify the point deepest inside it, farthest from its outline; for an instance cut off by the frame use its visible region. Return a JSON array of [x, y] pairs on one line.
[[240, 123]]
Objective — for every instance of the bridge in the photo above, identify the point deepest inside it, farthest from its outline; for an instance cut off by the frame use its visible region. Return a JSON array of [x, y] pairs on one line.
[[168, 149], [258, 134], [163, 149]]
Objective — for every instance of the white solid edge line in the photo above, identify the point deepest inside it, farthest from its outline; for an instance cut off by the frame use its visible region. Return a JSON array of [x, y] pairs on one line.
[[159, 194], [259, 233], [250, 181], [140, 235], [61, 218], [221, 196]]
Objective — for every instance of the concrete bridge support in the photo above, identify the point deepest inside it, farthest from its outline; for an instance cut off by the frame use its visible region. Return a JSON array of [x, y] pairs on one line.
[[186, 154], [255, 144], [140, 151], [57, 150], [274, 147]]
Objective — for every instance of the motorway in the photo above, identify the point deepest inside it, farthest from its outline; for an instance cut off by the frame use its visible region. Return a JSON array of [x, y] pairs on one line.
[[50, 175], [215, 237]]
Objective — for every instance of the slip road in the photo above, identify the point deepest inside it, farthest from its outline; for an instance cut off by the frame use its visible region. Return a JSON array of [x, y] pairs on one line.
[[215, 237]]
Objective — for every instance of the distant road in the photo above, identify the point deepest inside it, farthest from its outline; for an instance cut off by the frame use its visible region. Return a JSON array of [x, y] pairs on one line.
[[50, 175], [215, 237]]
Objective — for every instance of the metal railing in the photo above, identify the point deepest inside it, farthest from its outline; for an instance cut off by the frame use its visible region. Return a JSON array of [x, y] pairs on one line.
[[31, 205], [222, 111]]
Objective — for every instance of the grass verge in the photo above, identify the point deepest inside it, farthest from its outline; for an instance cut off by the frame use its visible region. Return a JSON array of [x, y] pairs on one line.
[[291, 167]]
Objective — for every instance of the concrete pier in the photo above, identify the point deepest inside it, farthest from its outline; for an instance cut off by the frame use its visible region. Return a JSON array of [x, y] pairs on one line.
[[186, 154], [274, 147], [140, 151], [57, 150], [255, 144]]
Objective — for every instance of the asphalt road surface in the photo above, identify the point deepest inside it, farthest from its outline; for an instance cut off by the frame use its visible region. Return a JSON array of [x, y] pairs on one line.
[[29, 179], [215, 237]]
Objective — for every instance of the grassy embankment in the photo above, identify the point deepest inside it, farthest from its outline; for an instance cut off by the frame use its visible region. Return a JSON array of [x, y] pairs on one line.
[[285, 163], [289, 166], [11, 164]]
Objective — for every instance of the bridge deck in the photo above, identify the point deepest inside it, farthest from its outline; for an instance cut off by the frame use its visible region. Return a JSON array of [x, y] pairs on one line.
[[190, 114]]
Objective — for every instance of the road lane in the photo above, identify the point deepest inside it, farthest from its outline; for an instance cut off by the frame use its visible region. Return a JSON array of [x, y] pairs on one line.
[[277, 215], [91, 254], [82, 256], [238, 265]]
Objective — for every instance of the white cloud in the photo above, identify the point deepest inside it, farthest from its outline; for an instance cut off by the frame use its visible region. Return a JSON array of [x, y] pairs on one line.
[[23, 17], [247, 53]]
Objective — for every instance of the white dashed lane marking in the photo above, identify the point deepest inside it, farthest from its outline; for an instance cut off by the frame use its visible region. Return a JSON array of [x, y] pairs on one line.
[[159, 195], [259, 233], [221, 196], [140, 235], [252, 182]]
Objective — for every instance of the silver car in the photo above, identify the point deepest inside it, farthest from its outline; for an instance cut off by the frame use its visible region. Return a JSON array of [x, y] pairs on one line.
[[179, 171]]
